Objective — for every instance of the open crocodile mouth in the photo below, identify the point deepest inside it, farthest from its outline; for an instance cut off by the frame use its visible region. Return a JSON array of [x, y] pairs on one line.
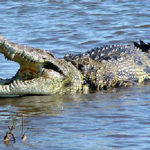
[[35, 67]]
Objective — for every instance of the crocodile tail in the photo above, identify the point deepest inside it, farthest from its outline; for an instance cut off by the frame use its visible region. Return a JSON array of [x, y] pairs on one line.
[[145, 47]]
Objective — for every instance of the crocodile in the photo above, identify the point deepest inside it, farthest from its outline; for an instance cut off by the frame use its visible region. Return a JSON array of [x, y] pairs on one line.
[[101, 68]]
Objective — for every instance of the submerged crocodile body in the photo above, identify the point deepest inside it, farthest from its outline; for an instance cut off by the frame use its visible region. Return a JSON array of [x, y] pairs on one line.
[[40, 73]]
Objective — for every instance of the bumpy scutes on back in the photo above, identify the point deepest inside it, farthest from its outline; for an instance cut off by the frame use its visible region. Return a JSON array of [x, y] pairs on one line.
[[113, 66]]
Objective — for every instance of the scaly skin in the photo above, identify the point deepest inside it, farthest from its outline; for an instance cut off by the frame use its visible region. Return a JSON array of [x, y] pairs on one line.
[[106, 67]]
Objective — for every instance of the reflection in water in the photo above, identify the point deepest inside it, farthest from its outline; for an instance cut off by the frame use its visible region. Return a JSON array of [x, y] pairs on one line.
[[50, 105], [35, 105], [56, 105], [38, 105]]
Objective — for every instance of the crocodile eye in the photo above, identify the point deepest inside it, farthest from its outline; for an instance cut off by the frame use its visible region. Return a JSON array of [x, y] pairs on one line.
[[51, 66]]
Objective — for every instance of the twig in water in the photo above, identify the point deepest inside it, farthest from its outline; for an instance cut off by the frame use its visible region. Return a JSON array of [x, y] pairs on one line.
[[6, 138], [11, 132]]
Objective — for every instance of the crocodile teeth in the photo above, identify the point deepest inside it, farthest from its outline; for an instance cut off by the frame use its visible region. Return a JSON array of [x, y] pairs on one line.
[[8, 52], [12, 85], [12, 56], [19, 82], [19, 54], [6, 88], [15, 83]]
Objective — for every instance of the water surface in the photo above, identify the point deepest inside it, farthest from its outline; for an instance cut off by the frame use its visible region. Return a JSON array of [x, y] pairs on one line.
[[104, 120]]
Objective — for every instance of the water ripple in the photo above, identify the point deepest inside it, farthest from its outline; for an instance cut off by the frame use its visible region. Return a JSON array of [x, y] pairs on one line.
[[103, 120]]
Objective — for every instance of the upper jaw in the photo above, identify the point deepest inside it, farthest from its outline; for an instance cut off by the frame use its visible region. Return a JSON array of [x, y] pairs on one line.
[[19, 53], [24, 54]]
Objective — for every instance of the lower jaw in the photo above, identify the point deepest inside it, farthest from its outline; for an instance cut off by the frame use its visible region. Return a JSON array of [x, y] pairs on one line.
[[21, 88]]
